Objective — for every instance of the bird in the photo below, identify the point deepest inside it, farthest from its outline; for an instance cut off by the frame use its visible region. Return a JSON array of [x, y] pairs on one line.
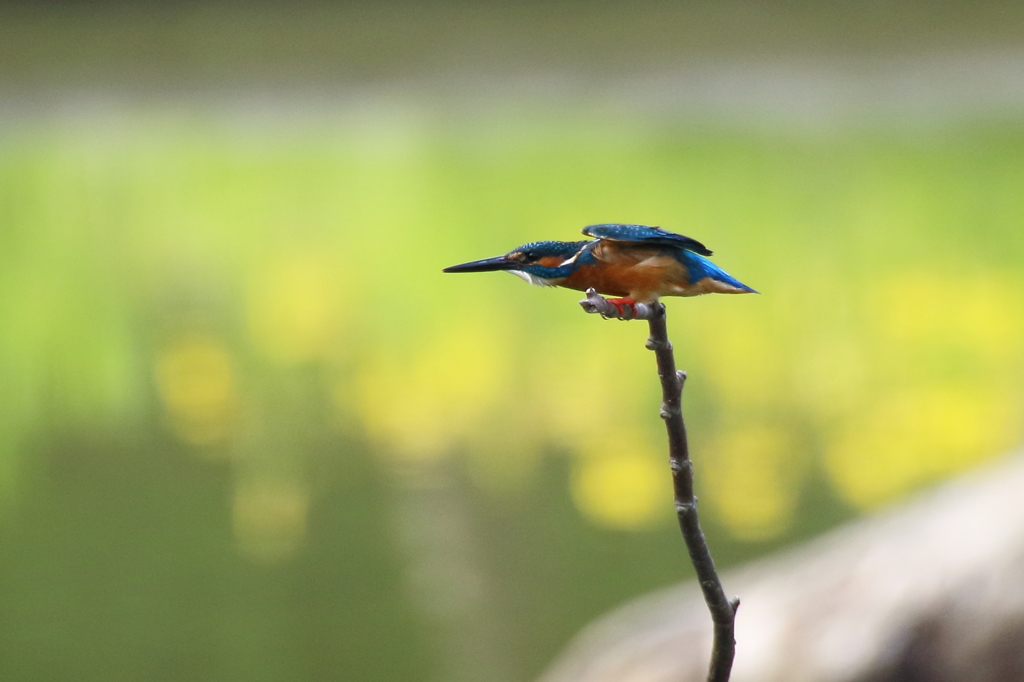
[[638, 263]]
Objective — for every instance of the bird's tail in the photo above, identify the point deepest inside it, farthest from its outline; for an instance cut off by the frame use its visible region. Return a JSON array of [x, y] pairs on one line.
[[700, 267]]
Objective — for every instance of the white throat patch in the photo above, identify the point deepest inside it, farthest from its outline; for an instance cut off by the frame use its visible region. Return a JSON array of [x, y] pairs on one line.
[[532, 279]]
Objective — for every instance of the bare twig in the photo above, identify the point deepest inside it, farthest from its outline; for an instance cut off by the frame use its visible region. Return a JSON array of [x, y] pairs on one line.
[[723, 610]]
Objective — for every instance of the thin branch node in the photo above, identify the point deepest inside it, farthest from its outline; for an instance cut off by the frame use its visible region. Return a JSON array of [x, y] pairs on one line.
[[681, 375], [656, 345], [669, 412], [686, 507]]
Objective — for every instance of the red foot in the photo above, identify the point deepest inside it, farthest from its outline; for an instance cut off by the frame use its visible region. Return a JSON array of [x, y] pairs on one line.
[[622, 304]]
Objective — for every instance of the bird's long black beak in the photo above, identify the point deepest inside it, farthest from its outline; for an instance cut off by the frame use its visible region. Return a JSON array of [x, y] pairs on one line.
[[485, 265]]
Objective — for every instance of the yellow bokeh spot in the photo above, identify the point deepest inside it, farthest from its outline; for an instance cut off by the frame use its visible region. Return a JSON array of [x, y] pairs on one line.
[[831, 375], [977, 311], [751, 477], [269, 518], [196, 384], [742, 357], [625, 490], [421, 403], [576, 386], [294, 310], [915, 436]]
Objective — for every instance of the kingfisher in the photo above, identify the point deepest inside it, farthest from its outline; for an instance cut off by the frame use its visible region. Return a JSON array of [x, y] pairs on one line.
[[638, 263]]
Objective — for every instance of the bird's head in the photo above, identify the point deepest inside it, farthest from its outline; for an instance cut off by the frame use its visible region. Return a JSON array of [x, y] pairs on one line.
[[536, 262]]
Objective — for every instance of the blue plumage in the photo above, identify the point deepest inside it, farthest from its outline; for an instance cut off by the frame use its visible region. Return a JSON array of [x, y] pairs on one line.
[[638, 262], [699, 267], [645, 234]]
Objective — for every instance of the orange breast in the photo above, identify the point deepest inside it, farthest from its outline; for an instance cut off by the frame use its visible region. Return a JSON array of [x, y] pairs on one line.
[[644, 280]]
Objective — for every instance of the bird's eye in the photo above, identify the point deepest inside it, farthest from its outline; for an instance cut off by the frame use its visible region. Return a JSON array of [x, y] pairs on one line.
[[531, 255]]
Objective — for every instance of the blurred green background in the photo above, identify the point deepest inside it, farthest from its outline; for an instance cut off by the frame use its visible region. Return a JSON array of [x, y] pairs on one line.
[[250, 432]]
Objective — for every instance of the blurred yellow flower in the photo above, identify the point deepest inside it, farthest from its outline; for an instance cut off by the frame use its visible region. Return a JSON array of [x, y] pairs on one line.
[[622, 485], [751, 475], [196, 384], [831, 375], [743, 354], [294, 310], [585, 383], [913, 436], [421, 403], [945, 343], [269, 517], [977, 311]]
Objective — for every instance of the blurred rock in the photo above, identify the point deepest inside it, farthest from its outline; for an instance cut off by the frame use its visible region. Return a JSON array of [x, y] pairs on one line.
[[931, 591]]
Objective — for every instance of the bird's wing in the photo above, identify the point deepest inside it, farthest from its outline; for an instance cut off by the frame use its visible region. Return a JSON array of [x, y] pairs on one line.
[[644, 234]]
